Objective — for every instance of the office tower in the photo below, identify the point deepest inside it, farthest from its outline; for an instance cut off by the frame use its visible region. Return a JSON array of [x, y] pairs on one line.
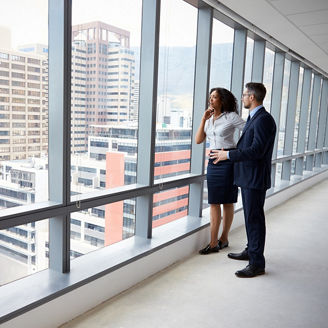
[[79, 139], [23, 105], [109, 78]]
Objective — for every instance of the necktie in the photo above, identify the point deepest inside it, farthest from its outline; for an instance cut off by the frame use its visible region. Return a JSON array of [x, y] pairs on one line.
[[247, 122]]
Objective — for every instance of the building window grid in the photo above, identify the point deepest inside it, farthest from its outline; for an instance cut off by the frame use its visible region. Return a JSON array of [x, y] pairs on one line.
[[129, 195]]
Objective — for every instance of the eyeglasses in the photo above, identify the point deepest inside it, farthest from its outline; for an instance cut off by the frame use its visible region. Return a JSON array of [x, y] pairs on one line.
[[245, 94]]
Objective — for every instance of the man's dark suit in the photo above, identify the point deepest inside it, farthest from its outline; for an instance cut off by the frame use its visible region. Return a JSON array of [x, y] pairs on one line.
[[252, 172]]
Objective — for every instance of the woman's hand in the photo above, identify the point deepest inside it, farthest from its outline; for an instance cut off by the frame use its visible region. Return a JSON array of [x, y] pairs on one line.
[[208, 113]]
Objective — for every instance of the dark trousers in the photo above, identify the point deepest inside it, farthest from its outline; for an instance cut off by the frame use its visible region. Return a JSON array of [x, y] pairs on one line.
[[253, 203]]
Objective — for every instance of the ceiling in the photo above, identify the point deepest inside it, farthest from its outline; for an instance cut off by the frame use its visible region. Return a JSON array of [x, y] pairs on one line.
[[301, 25]]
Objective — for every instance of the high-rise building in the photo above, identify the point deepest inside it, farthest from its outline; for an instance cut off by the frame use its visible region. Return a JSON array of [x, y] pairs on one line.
[[23, 105], [109, 72], [79, 137]]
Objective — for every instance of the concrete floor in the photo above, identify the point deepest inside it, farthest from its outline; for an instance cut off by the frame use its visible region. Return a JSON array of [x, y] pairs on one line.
[[203, 291]]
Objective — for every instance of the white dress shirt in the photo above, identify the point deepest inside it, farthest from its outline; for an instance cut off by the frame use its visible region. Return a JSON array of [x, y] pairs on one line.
[[220, 132]]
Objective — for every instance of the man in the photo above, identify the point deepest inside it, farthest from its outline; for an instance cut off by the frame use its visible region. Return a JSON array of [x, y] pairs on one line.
[[252, 172]]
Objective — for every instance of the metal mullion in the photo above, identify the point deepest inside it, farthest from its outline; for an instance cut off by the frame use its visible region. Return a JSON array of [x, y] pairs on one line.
[[325, 154], [277, 84], [238, 64], [313, 120], [201, 85], [326, 137], [305, 100], [258, 61], [161, 185], [322, 122], [283, 158], [147, 113], [290, 118], [59, 130], [16, 216], [19, 218]]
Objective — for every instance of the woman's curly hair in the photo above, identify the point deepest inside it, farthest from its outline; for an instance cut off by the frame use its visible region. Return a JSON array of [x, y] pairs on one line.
[[228, 100]]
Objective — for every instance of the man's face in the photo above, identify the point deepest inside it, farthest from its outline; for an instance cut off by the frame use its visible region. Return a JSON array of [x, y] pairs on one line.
[[246, 99]]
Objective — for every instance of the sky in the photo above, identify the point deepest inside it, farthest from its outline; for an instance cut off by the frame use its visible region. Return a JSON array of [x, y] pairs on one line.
[[28, 20]]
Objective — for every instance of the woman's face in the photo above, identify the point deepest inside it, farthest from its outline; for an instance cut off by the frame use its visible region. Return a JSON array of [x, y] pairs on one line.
[[214, 100]]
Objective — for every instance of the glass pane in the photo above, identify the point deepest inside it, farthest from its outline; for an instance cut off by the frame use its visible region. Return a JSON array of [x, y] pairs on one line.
[[293, 166], [23, 103], [24, 250], [205, 196], [248, 70], [170, 205], [309, 113], [278, 174], [221, 58], [283, 111], [249, 60], [267, 77], [298, 109], [175, 88], [101, 226], [105, 92]]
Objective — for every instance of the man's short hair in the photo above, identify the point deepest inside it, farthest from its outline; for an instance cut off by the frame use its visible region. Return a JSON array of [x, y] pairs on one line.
[[256, 89]]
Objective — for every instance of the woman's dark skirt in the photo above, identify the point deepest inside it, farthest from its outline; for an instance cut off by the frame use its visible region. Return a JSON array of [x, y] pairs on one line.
[[221, 189]]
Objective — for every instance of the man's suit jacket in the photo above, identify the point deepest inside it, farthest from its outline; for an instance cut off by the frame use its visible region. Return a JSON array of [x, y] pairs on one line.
[[253, 155]]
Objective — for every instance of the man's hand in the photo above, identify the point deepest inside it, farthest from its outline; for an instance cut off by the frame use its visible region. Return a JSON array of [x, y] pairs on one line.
[[218, 155]]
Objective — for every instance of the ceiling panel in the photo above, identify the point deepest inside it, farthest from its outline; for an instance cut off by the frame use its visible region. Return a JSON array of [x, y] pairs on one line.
[[309, 18], [320, 38], [299, 6], [315, 29], [301, 25]]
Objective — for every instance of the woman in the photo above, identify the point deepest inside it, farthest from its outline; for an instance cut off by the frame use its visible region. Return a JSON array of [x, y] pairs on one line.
[[218, 124]]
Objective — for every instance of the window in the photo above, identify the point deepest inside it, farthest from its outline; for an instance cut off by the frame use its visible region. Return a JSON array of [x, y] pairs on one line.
[[18, 75], [24, 248], [28, 175], [221, 57], [17, 58], [102, 226], [282, 125], [18, 67], [267, 77], [170, 205], [248, 62], [175, 86], [94, 142], [298, 109]]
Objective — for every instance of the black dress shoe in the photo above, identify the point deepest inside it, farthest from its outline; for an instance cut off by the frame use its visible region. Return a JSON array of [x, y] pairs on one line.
[[223, 245], [208, 249], [243, 256], [250, 271]]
